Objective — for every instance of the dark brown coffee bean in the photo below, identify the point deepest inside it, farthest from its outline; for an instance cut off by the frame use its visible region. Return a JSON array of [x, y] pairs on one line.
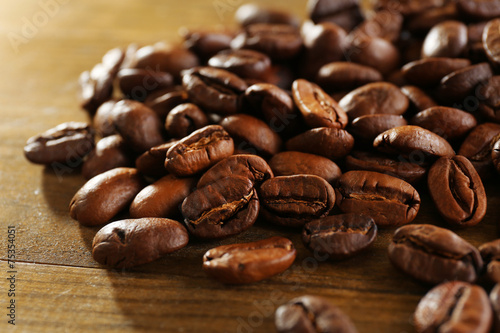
[[252, 167], [434, 255], [413, 142], [105, 195], [289, 163], [252, 135], [419, 100], [369, 126], [390, 201], [458, 85], [184, 119], [199, 151], [250, 13], [163, 101], [374, 98], [491, 40], [206, 44], [335, 143], [137, 84], [279, 41], [454, 307], [490, 98], [318, 108], [220, 209], [214, 90], [384, 24], [479, 9], [128, 243], [490, 252], [311, 314], [408, 7], [163, 198], [249, 262], [244, 63], [292, 201], [477, 147], [152, 162], [346, 75], [103, 120], [429, 72], [457, 191], [424, 21], [67, 144], [374, 52], [446, 39], [345, 13], [409, 172], [340, 236], [109, 153], [495, 154], [495, 303], [450, 123]]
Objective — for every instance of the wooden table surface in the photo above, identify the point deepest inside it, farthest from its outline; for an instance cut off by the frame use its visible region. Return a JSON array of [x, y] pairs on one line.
[[59, 288]]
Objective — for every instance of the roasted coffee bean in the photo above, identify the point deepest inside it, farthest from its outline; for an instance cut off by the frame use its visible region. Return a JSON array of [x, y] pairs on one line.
[[424, 21], [374, 98], [479, 9], [369, 126], [252, 167], [408, 7], [345, 13], [184, 119], [490, 252], [318, 108], [214, 90], [458, 85], [292, 201], [495, 154], [477, 147], [446, 39], [414, 142], [152, 162], [429, 72], [220, 209], [289, 163], [128, 243], [199, 151], [419, 100], [339, 236], [105, 195], [407, 171], [346, 75], [384, 24], [434, 255], [311, 314], [374, 52], [491, 40], [252, 135], [139, 126], [457, 191], [279, 41], [335, 143], [103, 120], [206, 44], [495, 303], [244, 63], [67, 144], [109, 153], [163, 101], [249, 262], [390, 201], [490, 98], [137, 84], [449, 123], [250, 13], [454, 307]]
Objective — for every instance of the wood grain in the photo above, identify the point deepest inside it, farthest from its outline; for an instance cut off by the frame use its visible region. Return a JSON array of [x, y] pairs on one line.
[[60, 287]]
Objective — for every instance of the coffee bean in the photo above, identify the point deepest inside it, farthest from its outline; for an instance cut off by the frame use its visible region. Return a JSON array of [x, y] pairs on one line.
[[128, 243], [105, 195], [206, 43], [109, 153], [163, 101], [434, 255], [292, 201], [220, 209], [185, 119], [137, 84], [477, 147], [249, 262], [490, 252], [490, 103], [67, 143], [408, 7], [311, 314], [250, 13], [318, 109], [384, 24], [244, 63], [289, 163], [346, 75], [199, 151], [454, 307], [345, 13], [253, 167], [374, 52], [495, 153], [491, 40], [368, 127], [390, 201], [152, 162], [429, 71], [424, 21], [446, 39], [479, 9], [340, 236], [419, 100], [457, 191], [495, 302], [103, 121], [459, 84]]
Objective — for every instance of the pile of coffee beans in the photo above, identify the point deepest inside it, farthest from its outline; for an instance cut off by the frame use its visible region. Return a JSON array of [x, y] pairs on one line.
[[327, 126]]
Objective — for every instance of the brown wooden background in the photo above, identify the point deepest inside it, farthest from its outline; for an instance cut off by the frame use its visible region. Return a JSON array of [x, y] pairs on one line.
[[59, 288]]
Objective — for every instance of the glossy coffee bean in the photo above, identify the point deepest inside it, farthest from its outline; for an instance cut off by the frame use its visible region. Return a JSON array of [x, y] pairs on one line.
[[459, 84], [457, 191], [491, 41], [128, 243], [163, 101], [220, 209], [244, 63], [426, 20], [369, 126], [105, 195], [419, 99], [152, 162], [479, 9], [249, 262], [446, 39], [292, 201], [206, 43], [335, 76], [434, 255], [311, 314], [374, 52], [250, 13], [199, 151], [495, 303], [103, 120], [184, 119], [490, 98], [137, 84], [454, 307], [429, 71], [109, 153], [339, 236], [390, 201], [477, 147], [490, 252], [289, 163], [253, 167], [67, 144]]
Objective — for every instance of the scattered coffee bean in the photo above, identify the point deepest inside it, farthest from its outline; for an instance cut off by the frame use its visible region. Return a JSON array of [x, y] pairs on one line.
[[109, 153], [184, 119], [244, 63], [446, 39], [495, 303], [346, 75], [491, 40], [430, 71], [490, 252]]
